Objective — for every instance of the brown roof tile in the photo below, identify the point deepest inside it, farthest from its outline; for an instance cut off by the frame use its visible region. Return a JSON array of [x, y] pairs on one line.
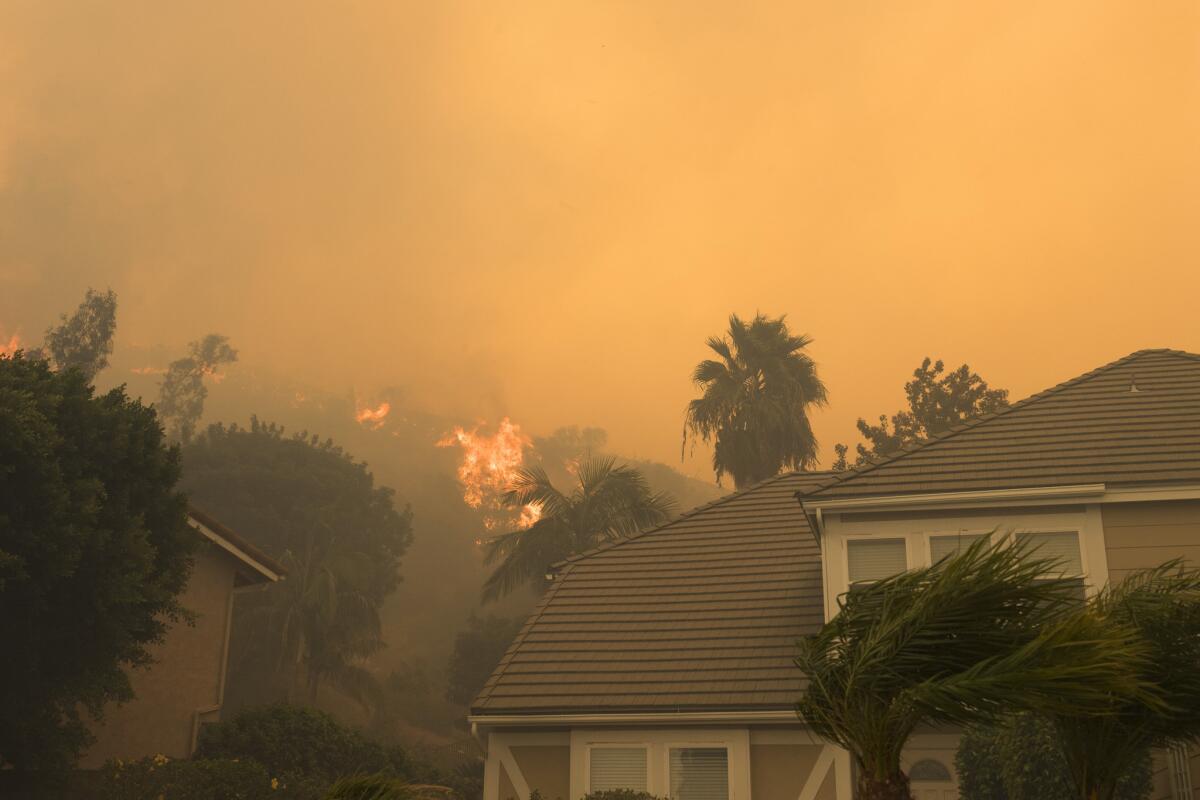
[[1091, 429], [701, 613]]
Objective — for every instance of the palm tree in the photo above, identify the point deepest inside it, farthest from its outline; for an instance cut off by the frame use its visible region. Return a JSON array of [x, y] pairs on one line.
[[755, 399], [609, 502], [320, 624], [1163, 605], [967, 639]]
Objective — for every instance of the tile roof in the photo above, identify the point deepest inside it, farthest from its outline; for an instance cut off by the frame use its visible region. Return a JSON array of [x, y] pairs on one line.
[[1091, 429], [702, 613]]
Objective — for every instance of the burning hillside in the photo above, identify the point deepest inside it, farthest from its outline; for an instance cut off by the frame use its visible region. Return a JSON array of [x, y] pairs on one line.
[[489, 465]]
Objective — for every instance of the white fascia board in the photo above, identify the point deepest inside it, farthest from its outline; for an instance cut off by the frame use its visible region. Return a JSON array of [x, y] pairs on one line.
[[232, 549], [1149, 494], [483, 721], [1040, 495]]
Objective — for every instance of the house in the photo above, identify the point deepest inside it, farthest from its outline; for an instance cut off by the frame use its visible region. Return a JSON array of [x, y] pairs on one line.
[[185, 686], [663, 662]]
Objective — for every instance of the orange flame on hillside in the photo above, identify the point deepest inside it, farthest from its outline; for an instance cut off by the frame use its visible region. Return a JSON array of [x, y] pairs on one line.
[[13, 345], [372, 417], [489, 465]]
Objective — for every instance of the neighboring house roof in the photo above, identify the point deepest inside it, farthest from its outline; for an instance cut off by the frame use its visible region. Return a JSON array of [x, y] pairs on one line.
[[700, 614], [258, 567], [1134, 422]]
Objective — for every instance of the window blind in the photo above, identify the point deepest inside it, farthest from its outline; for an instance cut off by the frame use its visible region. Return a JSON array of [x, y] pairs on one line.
[[942, 546], [873, 559], [617, 768], [699, 773], [1062, 547]]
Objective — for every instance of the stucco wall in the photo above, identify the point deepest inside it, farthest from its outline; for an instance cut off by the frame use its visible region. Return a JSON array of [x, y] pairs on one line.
[[1141, 535], [780, 771], [185, 678]]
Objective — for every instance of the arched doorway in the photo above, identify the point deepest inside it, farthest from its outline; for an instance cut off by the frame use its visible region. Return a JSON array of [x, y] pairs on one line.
[[932, 780]]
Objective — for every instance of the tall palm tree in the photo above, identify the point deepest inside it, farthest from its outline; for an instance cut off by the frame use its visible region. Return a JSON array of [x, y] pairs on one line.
[[608, 502], [967, 639], [1163, 605], [755, 400]]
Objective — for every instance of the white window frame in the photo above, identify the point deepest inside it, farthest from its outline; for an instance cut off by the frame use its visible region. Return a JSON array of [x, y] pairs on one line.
[[1079, 539], [658, 744], [1084, 520], [908, 553]]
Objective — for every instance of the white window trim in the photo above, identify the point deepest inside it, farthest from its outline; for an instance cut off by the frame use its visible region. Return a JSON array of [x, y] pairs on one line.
[[908, 552], [658, 744], [1086, 523]]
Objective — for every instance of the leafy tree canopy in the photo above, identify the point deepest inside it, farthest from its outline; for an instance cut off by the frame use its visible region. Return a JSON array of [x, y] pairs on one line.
[[94, 549], [84, 340], [937, 401], [477, 651], [1020, 757], [608, 502], [182, 393], [316, 509], [754, 401]]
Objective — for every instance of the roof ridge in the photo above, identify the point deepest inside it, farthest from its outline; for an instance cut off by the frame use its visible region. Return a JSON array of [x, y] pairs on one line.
[[683, 516], [971, 424], [485, 693]]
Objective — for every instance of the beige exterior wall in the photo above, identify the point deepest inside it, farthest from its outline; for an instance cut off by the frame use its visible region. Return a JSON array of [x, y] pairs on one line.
[[1139, 535], [186, 678], [769, 764], [782, 771]]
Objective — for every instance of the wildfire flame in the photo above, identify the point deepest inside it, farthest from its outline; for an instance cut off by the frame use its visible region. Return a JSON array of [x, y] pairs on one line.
[[489, 465], [372, 418], [12, 346]]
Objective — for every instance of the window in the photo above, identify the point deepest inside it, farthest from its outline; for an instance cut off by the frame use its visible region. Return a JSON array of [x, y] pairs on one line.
[[1061, 546], [699, 773], [928, 769], [947, 545], [617, 768], [874, 559]]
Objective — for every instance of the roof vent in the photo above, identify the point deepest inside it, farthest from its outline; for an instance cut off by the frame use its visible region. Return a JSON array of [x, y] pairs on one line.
[[1133, 387]]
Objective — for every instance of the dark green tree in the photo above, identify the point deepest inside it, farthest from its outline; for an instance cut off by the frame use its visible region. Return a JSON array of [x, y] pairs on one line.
[[477, 651], [755, 399], [937, 401], [84, 340], [975, 636], [94, 549], [182, 393], [608, 502], [1162, 605], [312, 506], [1020, 757]]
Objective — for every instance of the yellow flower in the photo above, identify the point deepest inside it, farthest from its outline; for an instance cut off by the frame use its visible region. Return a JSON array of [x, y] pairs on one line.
[[160, 759], [274, 783]]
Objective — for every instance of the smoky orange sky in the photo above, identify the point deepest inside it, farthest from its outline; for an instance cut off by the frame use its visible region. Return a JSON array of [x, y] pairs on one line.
[[542, 209]]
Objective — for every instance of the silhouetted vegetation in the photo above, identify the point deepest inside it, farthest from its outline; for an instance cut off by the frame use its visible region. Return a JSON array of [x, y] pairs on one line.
[[937, 401], [609, 502], [754, 406], [477, 651], [94, 549], [182, 394], [84, 340], [310, 505]]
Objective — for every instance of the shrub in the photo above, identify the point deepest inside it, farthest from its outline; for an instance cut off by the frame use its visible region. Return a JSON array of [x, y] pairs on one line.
[[383, 787], [621, 794], [160, 777], [300, 744], [1020, 759]]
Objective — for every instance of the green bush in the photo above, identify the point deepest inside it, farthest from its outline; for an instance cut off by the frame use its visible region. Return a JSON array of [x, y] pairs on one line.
[[383, 787], [160, 777], [1020, 760], [300, 745]]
